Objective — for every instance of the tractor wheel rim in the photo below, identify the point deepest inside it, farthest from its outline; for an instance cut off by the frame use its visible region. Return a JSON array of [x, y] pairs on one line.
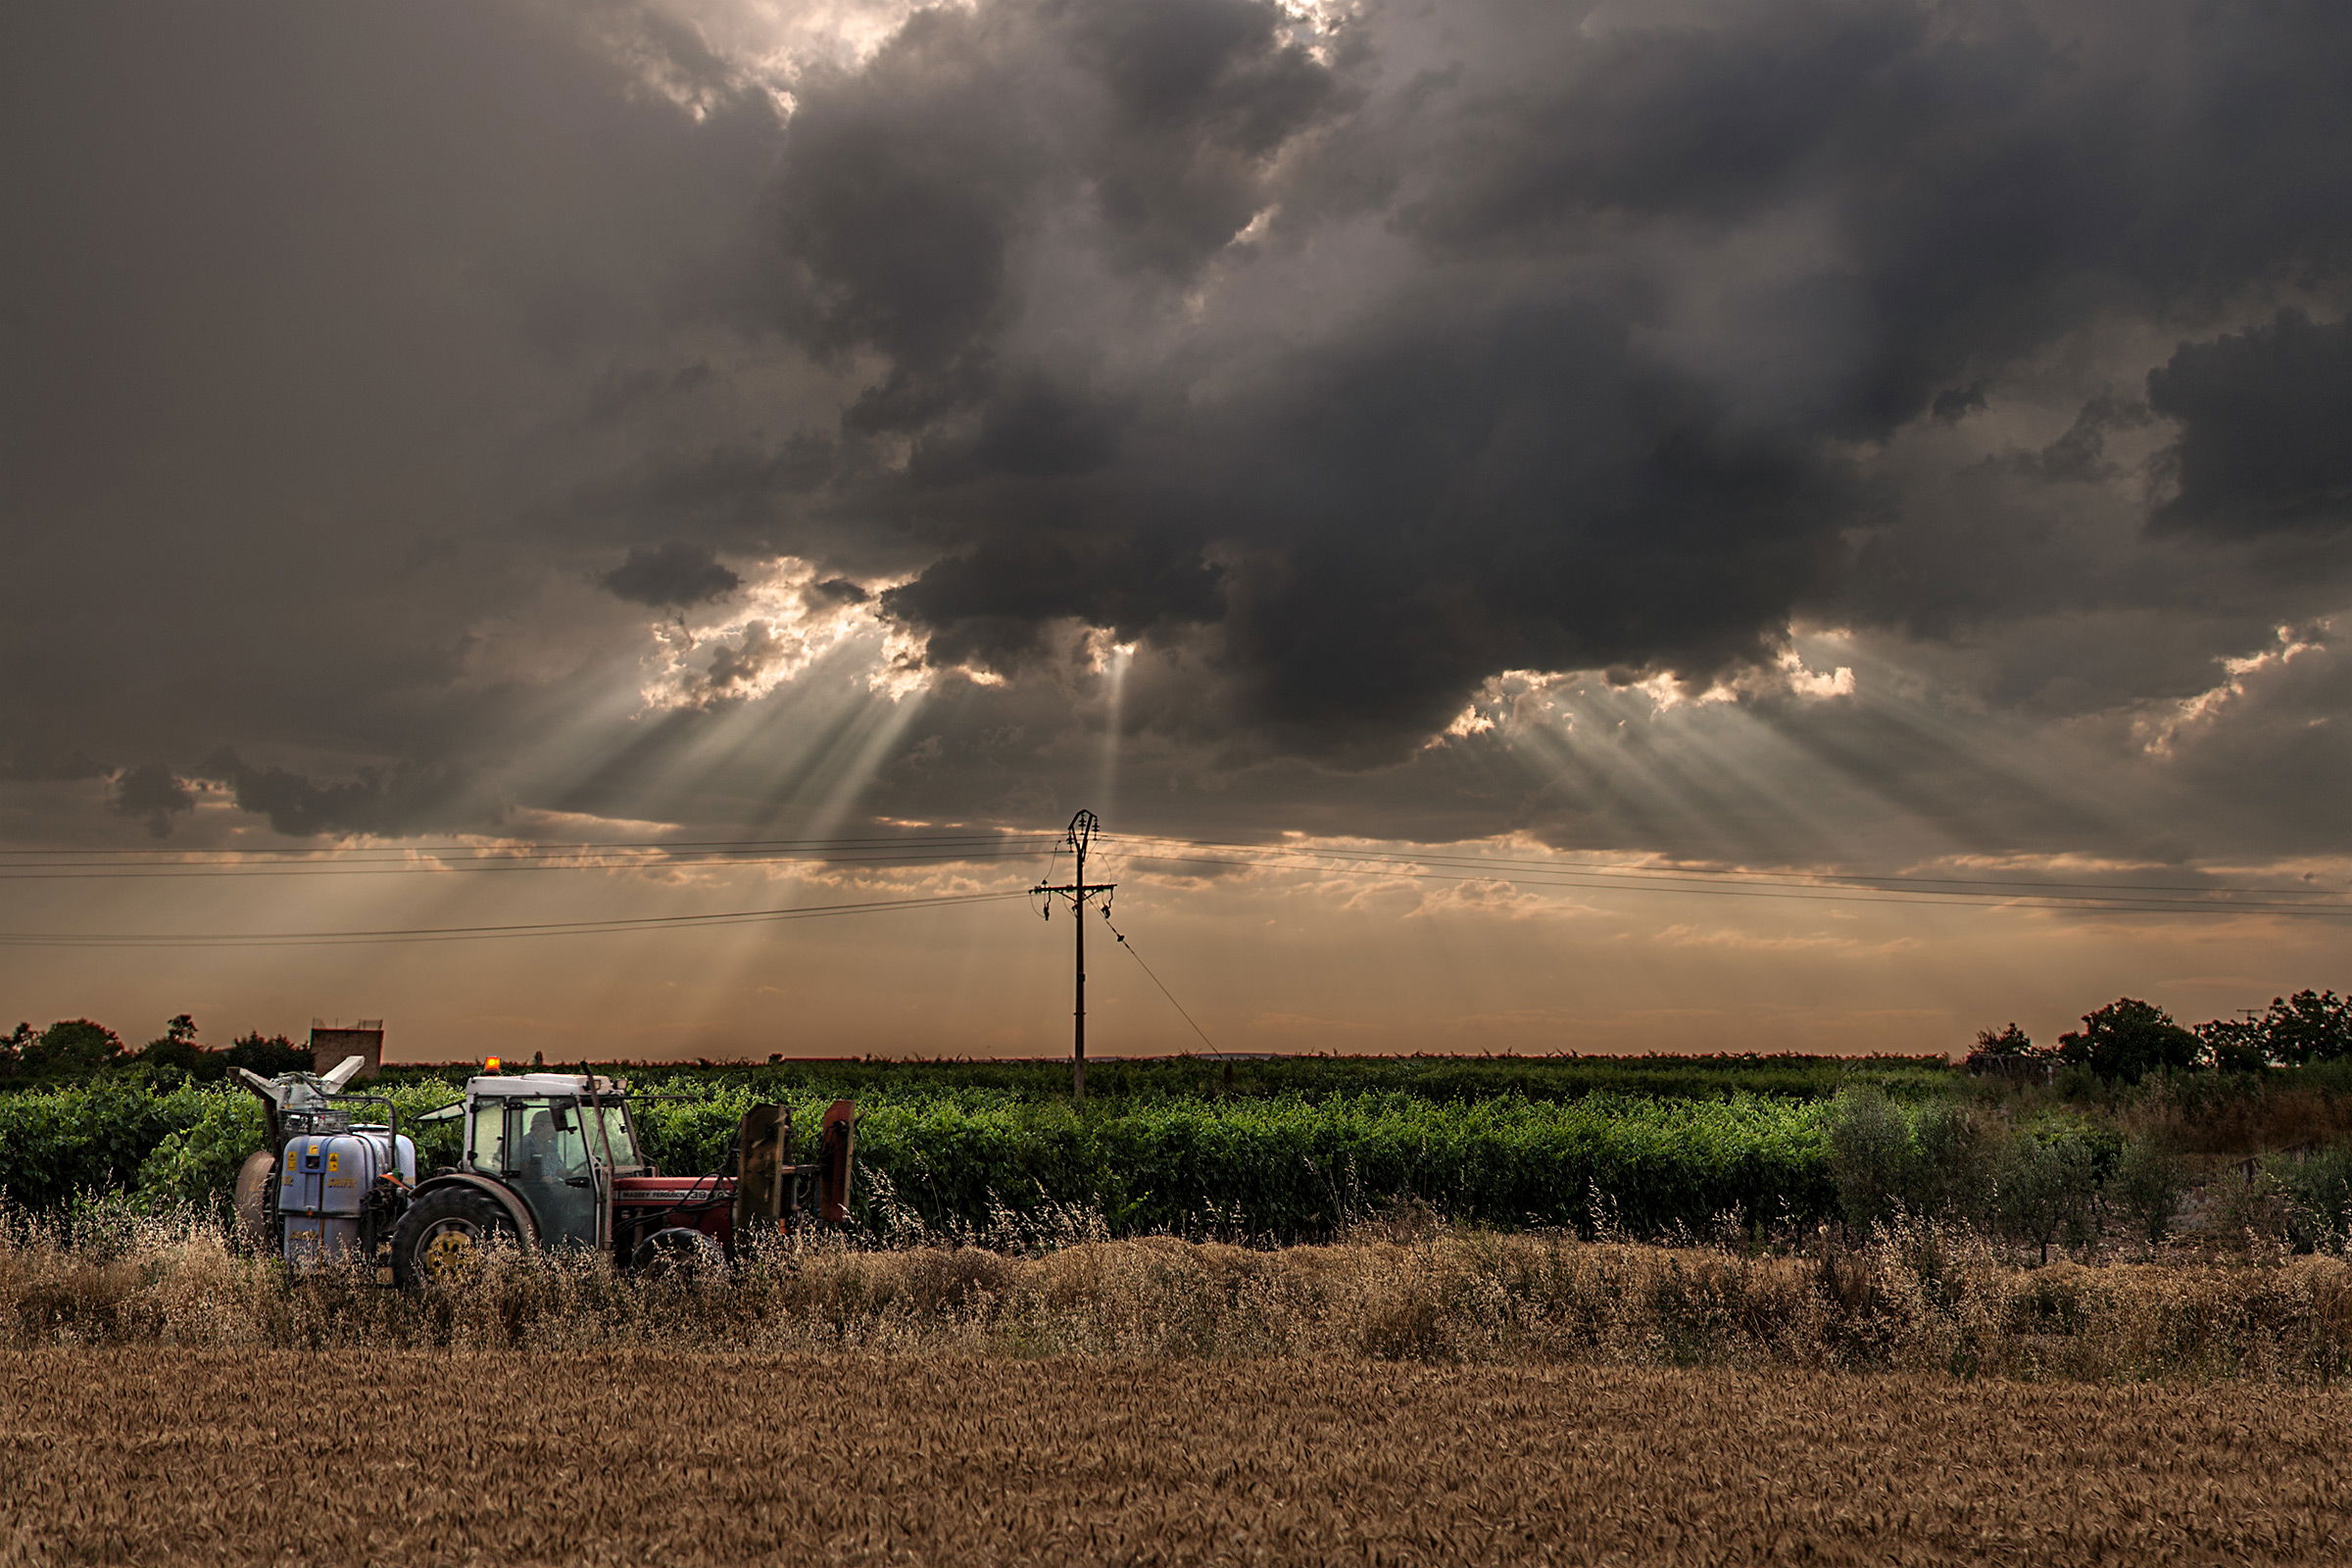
[[448, 1246]]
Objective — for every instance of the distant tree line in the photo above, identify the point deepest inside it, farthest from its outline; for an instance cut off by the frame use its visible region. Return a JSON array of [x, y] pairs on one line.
[[74, 1048], [2128, 1038], [2124, 1042]]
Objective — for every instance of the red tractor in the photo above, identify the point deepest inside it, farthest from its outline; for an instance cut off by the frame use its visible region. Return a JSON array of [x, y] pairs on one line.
[[547, 1159]]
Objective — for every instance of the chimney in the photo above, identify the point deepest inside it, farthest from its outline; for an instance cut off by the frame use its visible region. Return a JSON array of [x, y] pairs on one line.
[[361, 1037]]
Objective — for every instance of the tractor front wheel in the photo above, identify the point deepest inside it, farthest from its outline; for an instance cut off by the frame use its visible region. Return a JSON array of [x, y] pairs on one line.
[[446, 1232]]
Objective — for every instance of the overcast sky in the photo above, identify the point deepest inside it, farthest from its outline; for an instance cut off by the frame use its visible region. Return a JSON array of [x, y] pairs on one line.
[[1811, 443]]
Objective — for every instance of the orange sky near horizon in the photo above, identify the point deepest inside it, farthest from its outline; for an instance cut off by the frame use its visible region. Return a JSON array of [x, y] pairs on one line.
[[1286, 960]]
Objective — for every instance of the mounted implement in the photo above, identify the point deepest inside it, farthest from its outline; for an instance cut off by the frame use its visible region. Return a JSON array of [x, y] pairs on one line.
[[547, 1159], [324, 1187]]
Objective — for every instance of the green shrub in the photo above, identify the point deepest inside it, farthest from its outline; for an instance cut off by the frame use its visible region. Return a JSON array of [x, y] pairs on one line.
[[1927, 1162], [2151, 1179], [89, 1137], [2045, 1183], [2317, 1190], [1296, 1168], [197, 1165]]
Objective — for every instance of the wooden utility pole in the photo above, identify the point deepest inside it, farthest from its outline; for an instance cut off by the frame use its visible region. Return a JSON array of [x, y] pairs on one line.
[[1078, 890]]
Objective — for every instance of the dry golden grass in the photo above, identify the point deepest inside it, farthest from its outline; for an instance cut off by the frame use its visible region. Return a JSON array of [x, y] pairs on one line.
[[148, 1454], [1919, 1300]]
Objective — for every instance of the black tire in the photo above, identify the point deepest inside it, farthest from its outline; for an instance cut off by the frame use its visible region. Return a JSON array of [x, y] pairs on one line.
[[444, 1231], [257, 1212], [678, 1252]]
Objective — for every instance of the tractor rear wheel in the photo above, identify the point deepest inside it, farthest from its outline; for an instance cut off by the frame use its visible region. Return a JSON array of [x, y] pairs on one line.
[[679, 1253], [255, 1179], [445, 1232]]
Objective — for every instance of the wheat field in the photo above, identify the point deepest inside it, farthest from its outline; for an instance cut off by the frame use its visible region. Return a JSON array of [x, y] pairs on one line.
[[146, 1454], [1425, 1397]]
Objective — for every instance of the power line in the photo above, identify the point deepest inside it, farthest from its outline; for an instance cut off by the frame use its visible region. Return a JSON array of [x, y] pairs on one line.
[[885, 851], [1157, 981], [54, 864], [531, 846], [1500, 870], [192, 870], [1611, 867], [1634, 882], [475, 933], [1798, 892], [552, 843]]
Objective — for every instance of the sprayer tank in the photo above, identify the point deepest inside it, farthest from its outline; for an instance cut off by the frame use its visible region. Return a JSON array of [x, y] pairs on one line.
[[323, 1181]]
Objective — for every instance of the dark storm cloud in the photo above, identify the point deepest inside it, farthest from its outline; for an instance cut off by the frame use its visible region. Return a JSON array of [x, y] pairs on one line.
[[998, 604], [2265, 428], [1343, 369], [730, 491], [672, 573], [838, 591], [150, 793], [2274, 753], [392, 801], [911, 187], [2080, 455], [1594, 401], [1164, 111], [300, 314], [27, 767], [1461, 490]]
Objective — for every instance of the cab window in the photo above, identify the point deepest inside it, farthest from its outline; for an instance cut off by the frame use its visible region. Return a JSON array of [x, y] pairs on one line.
[[622, 1139], [486, 1147], [550, 1141]]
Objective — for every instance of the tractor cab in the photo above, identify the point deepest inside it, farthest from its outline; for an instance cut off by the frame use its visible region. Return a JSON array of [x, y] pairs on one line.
[[553, 1140]]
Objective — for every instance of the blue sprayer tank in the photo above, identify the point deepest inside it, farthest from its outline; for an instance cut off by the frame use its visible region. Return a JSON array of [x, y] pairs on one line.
[[323, 1179]]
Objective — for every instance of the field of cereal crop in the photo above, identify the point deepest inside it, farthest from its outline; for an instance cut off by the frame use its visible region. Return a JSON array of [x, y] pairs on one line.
[[150, 1454]]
